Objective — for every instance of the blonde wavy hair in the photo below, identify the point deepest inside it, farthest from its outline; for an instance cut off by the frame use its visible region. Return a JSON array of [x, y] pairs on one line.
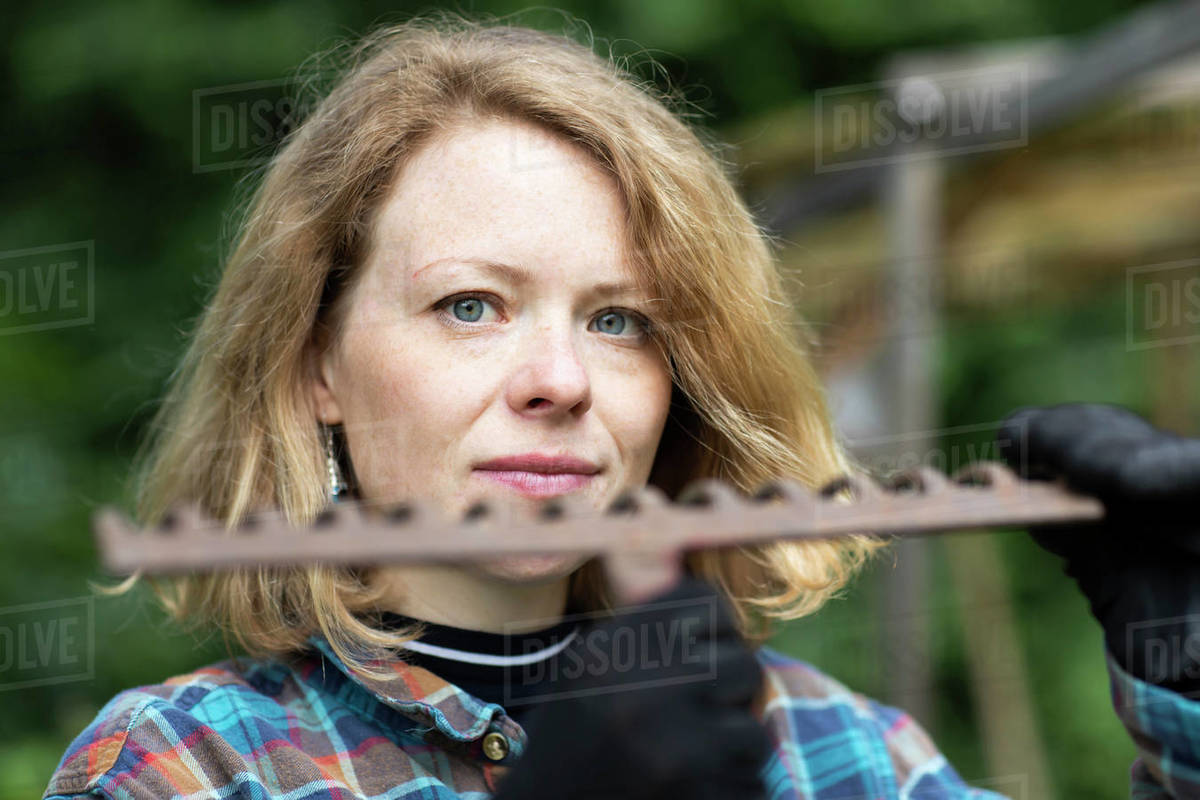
[[235, 432]]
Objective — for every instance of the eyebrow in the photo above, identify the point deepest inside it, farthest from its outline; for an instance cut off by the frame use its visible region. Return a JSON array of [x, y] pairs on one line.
[[518, 276]]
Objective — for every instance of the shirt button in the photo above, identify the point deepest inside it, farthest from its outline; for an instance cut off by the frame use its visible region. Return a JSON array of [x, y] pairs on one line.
[[495, 746]]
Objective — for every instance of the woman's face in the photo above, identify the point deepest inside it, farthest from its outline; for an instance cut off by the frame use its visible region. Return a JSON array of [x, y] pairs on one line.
[[486, 326]]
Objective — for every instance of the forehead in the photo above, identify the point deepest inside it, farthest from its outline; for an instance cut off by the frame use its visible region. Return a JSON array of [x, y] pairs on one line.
[[506, 191]]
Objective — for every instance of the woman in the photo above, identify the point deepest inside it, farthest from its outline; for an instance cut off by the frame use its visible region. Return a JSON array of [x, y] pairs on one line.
[[492, 266]]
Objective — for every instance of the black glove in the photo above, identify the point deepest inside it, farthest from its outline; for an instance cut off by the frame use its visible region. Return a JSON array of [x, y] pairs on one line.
[[1140, 566], [619, 737]]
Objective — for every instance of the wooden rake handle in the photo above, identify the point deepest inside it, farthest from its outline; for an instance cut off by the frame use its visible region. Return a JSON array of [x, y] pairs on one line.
[[641, 537]]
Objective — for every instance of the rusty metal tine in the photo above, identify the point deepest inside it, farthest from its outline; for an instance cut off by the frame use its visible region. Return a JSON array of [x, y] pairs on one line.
[[650, 496], [862, 488], [924, 480], [638, 500], [989, 474], [789, 490], [189, 518], [709, 493], [568, 506]]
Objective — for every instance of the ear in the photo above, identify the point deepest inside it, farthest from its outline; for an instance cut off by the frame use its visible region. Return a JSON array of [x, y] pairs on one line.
[[319, 383]]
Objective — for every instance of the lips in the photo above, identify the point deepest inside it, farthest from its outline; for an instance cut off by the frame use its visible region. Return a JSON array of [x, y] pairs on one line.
[[539, 475], [538, 462]]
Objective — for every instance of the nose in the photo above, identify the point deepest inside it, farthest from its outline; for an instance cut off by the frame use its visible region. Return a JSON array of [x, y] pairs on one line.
[[550, 378]]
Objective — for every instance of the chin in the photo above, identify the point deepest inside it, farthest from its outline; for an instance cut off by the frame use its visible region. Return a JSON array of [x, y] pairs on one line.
[[532, 568]]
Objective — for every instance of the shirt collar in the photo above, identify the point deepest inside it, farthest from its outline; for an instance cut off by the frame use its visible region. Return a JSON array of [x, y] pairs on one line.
[[429, 700]]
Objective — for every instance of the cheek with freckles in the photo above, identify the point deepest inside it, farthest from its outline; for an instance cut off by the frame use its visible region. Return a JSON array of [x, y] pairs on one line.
[[407, 410], [636, 408]]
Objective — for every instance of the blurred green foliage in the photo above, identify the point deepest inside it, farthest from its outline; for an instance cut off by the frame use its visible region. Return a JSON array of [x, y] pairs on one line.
[[97, 145]]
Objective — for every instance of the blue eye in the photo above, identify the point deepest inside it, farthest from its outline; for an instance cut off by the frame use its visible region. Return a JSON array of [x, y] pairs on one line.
[[464, 310], [609, 317], [613, 322], [472, 306]]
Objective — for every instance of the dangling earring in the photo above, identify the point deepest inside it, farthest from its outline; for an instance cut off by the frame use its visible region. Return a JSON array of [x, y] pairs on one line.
[[337, 488]]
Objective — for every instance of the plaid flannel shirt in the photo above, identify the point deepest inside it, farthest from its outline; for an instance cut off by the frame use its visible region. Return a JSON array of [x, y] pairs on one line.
[[314, 729]]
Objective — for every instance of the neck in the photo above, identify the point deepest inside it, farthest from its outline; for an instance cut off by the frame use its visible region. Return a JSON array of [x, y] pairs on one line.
[[453, 596]]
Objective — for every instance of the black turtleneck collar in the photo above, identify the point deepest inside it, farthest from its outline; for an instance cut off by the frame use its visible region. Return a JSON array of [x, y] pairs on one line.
[[515, 671]]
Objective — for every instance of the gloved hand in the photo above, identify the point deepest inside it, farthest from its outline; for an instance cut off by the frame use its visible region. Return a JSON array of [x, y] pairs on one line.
[[1140, 566], [619, 738]]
